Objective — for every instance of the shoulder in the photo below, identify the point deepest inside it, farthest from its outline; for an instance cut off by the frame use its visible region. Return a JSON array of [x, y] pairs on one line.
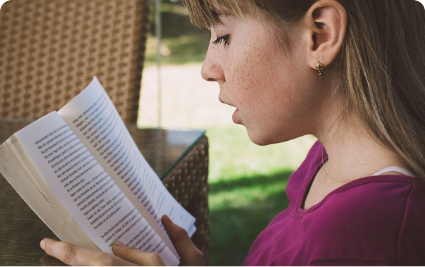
[[377, 196], [411, 239], [371, 202], [380, 218]]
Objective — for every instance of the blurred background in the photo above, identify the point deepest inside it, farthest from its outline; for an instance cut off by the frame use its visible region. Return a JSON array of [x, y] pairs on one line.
[[247, 182]]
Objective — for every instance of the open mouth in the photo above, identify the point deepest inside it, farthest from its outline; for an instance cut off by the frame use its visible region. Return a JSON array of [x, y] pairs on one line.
[[235, 116]]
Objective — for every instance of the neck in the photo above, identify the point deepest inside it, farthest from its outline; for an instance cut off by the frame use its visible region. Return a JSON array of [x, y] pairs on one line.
[[352, 150]]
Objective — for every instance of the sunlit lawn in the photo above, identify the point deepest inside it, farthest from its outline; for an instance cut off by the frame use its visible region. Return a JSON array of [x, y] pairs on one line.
[[247, 188]]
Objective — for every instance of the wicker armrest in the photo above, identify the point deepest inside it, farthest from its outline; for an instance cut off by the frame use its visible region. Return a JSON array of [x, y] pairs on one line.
[[187, 182]]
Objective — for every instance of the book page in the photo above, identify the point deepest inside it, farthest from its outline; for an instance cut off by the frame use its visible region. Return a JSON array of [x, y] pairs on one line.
[[86, 190], [93, 117], [21, 173]]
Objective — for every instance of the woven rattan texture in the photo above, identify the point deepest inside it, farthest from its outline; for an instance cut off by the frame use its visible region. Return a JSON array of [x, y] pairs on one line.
[[20, 231], [51, 49], [188, 183]]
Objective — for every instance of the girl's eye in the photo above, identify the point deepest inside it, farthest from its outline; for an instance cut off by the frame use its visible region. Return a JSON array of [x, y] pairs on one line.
[[221, 39]]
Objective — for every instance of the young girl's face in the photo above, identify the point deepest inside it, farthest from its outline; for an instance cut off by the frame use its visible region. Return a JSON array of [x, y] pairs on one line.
[[271, 86]]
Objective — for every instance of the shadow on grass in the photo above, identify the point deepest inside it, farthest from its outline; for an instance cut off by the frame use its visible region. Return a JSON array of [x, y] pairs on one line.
[[233, 230], [249, 182]]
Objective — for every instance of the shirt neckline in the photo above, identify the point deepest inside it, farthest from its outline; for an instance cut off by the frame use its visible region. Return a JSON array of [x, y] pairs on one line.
[[300, 212]]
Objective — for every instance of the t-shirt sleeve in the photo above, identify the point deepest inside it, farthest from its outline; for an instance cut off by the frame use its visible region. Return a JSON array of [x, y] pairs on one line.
[[379, 224], [411, 239]]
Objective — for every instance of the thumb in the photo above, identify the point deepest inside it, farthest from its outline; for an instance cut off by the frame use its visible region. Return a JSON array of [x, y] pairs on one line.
[[188, 252], [136, 256]]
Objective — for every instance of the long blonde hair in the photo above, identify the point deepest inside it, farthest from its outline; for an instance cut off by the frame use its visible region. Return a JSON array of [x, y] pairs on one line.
[[381, 64]]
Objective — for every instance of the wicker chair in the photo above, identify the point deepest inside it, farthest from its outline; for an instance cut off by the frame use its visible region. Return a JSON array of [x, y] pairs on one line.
[[49, 51]]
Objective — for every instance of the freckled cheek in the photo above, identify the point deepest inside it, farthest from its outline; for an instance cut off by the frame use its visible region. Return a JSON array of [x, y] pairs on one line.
[[275, 100], [236, 74], [255, 80], [241, 68]]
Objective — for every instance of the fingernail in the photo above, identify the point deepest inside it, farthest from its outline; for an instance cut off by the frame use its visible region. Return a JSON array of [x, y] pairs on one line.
[[119, 244], [43, 244]]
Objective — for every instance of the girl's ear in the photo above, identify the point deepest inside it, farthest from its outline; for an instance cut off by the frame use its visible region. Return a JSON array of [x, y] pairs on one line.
[[326, 23]]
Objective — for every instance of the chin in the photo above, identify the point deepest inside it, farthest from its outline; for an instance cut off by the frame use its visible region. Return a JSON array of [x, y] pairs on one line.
[[264, 140], [259, 139]]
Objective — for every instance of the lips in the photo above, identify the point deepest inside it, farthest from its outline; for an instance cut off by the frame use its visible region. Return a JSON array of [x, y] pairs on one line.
[[235, 116]]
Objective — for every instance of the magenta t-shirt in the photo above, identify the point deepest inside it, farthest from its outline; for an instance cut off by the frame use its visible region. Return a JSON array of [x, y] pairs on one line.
[[377, 220]]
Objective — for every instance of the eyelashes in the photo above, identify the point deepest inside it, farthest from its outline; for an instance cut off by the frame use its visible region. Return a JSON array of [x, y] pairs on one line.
[[222, 39]]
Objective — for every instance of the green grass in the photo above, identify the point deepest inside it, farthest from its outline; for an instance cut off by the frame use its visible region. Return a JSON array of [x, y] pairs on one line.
[[232, 154], [247, 188], [182, 49], [239, 210], [182, 42]]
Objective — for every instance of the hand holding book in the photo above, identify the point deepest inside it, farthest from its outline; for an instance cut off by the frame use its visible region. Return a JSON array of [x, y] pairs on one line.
[[125, 256], [83, 175]]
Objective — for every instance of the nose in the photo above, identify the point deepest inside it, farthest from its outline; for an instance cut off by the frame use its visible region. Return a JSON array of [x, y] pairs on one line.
[[212, 68]]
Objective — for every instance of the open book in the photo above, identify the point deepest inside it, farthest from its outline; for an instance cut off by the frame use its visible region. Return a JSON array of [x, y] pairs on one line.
[[83, 175]]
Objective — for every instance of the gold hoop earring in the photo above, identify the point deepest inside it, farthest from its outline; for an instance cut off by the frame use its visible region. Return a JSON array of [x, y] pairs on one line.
[[320, 69]]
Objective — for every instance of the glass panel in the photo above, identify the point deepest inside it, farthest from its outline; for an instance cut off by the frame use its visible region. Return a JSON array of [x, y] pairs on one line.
[[163, 149]]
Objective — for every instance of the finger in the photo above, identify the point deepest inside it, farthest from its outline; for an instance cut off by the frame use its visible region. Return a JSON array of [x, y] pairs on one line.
[[77, 256], [67, 253], [189, 253], [137, 256], [47, 260]]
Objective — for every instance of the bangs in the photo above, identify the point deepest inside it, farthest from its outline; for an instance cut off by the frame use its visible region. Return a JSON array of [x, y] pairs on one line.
[[206, 13]]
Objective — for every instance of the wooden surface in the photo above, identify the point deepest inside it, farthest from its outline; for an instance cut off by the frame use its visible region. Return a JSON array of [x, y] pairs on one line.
[[180, 158]]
